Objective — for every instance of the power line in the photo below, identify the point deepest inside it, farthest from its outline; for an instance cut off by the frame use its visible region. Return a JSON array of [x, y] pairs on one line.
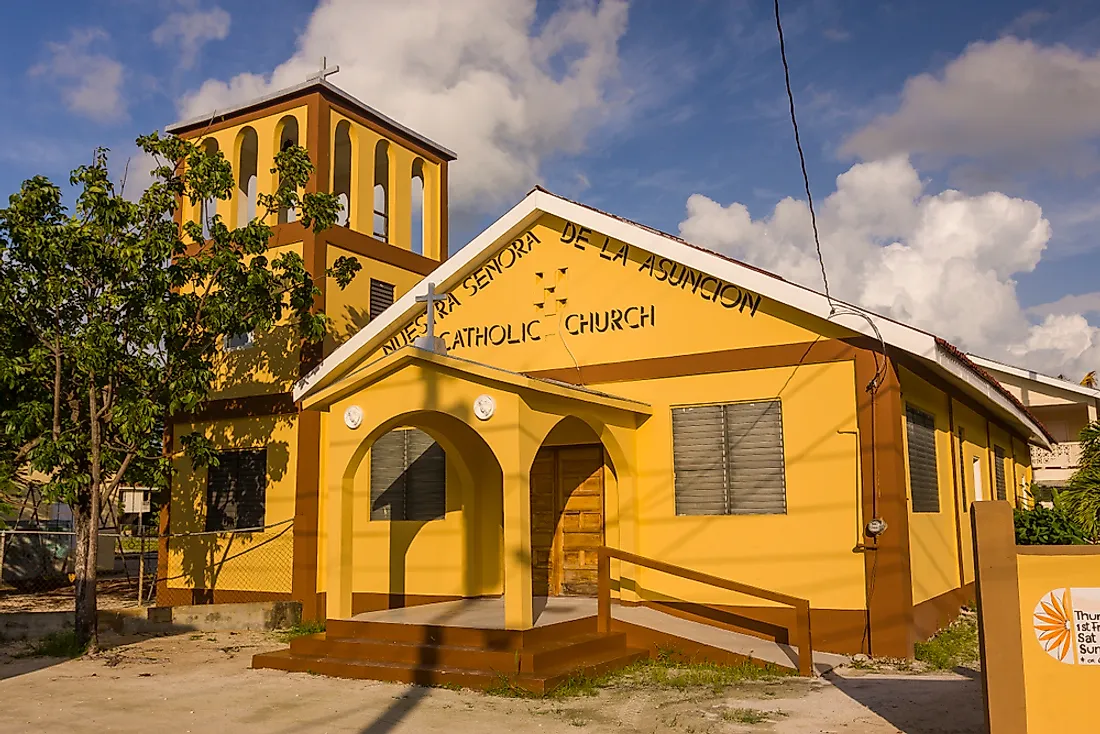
[[801, 155]]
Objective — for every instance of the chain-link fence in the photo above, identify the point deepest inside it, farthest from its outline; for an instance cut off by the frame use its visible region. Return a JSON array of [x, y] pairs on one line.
[[229, 565], [37, 569], [37, 565]]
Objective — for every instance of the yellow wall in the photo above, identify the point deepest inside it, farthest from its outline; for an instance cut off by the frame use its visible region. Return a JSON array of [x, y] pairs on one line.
[[547, 285], [349, 308], [265, 560], [1060, 696], [935, 539], [933, 536], [808, 551], [401, 160]]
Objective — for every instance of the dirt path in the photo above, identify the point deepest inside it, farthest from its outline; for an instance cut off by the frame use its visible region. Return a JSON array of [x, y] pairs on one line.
[[203, 683]]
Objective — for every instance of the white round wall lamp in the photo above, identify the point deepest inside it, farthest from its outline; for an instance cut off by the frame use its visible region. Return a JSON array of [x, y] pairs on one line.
[[353, 417], [484, 407]]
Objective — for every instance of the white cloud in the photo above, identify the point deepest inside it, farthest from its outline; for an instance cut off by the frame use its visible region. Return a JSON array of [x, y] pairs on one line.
[[480, 77], [1069, 305], [191, 30], [942, 262], [1011, 104], [90, 82]]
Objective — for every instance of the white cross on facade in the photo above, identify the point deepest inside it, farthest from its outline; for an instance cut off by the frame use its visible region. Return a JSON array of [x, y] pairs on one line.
[[325, 71], [429, 342]]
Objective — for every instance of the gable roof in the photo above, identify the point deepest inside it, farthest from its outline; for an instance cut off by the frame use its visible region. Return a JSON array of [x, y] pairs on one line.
[[300, 90], [515, 381], [941, 356], [1039, 377]]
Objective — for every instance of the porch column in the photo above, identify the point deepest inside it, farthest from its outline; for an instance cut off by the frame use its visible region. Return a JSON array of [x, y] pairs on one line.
[[338, 563], [518, 612], [515, 465]]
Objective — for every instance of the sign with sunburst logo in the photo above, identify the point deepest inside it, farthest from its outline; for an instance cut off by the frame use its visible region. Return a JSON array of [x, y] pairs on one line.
[[1067, 625]]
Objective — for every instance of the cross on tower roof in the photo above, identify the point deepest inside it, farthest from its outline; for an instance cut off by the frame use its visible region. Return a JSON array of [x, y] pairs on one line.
[[325, 71]]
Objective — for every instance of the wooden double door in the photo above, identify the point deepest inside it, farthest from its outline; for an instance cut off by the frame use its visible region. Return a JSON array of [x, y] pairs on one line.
[[567, 519]]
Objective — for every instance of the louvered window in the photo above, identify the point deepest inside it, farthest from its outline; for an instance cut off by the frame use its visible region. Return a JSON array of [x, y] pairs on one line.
[[236, 490], [924, 485], [381, 297], [728, 459], [408, 477], [999, 473]]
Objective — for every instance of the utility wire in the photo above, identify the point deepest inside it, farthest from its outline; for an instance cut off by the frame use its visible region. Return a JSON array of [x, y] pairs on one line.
[[801, 155]]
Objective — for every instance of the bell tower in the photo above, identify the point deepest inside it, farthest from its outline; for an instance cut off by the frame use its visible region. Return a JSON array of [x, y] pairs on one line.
[[392, 185]]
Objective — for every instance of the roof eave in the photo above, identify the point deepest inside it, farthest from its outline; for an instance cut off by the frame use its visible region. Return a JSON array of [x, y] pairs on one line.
[[302, 89]]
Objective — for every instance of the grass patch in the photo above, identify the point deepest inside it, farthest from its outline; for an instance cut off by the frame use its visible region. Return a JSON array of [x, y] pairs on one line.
[[61, 644], [751, 716], [952, 646], [301, 629], [668, 670]]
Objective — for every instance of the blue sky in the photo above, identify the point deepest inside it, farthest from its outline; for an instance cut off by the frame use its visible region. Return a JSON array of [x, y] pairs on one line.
[[689, 100]]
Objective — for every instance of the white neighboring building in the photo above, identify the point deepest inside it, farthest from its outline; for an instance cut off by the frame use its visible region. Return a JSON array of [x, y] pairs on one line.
[[1064, 407]]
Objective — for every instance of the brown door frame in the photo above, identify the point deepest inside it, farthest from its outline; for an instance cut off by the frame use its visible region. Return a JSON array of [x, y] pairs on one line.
[[557, 549]]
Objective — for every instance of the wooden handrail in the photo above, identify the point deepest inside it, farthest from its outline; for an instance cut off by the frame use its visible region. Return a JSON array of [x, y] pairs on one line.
[[603, 596]]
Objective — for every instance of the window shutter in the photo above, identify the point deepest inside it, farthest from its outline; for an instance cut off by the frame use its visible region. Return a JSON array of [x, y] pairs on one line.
[[999, 472], [387, 477], [425, 478], [408, 477], [221, 491], [236, 490], [699, 460], [381, 297], [754, 450], [924, 483], [251, 488]]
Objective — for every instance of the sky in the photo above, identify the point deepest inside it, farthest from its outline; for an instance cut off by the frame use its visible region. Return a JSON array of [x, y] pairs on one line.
[[953, 149]]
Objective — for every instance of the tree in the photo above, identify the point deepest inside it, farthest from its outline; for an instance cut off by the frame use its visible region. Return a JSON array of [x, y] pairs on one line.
[[1081, 497], [1089, 380], [112, 318]]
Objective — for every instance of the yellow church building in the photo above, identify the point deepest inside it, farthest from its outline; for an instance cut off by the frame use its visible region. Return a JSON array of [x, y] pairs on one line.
[[480, 425]]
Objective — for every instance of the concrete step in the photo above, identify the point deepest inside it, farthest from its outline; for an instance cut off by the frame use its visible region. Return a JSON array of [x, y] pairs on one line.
[[529, 659], [438, 675]]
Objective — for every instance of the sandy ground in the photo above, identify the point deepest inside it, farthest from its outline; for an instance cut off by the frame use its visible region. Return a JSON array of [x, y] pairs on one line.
[[112, 592], [203, 683]]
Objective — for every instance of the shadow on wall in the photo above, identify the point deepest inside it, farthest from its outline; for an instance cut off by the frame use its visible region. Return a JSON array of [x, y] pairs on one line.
[[919, 705], [259, 560]]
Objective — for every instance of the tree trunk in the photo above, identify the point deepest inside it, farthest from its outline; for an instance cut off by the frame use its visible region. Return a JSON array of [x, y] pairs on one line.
[[85, 623], [88, 537]]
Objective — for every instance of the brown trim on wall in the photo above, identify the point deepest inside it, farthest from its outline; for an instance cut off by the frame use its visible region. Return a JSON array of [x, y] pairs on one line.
[[367, 246], [704, 363], [887, 565], [165, 520], [999, 623], [307, 489], [318, 143], [955, 468], [217, 122], [249, 406], [380, 128], [1058, 550], [932, 615], [834, 630], [306, 513], [172, 597]]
